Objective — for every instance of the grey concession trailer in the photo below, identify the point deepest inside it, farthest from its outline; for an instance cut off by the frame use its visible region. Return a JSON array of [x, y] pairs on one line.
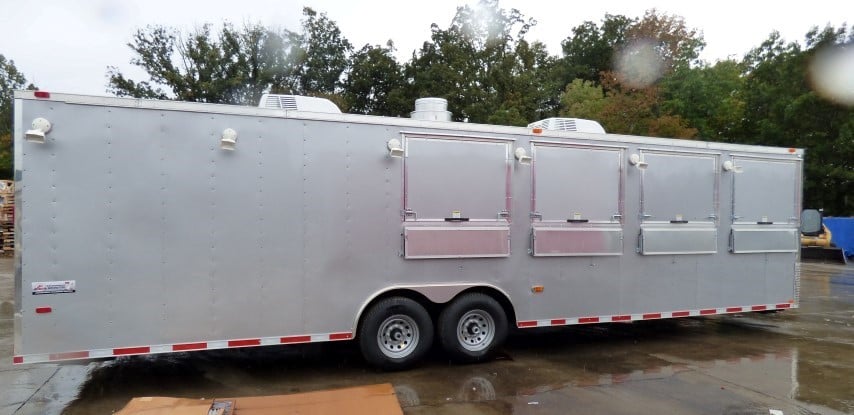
[[157, 226]]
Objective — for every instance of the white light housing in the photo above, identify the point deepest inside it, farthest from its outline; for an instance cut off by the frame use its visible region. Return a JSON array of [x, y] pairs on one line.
[[228, 140], [636, 161], [41, 126], [395, 148], [730, 166], [522, 156]]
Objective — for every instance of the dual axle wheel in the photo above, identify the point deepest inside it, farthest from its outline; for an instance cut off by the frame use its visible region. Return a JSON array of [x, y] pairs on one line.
[[397, 332]]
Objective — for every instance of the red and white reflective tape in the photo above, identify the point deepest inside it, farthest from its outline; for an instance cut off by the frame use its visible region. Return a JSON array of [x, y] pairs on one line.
[[180, 347], [568, 321]]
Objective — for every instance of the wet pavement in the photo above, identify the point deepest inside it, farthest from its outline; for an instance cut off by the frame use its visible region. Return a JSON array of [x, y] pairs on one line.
[[798, 362]]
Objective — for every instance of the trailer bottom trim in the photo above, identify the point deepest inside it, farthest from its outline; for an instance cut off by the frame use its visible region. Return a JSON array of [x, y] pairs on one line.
[[316, 338], [179, 347], [569, 321]]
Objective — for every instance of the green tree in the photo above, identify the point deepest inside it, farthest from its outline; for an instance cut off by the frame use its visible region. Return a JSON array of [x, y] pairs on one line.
[[375, 84], [483, 65], [591, 48], [236, 66], [321, 55], [617, 68], [10, 80], [782, 109], [708, 97], [583, 99]]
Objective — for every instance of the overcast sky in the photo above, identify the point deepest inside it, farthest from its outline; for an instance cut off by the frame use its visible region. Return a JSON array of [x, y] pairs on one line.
[[66, 45]]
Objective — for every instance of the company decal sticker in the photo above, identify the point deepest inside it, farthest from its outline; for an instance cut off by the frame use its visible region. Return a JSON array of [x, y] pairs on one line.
[[54, 287]]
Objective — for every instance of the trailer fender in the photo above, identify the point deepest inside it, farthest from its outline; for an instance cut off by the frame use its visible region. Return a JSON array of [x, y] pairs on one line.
[[435, 293]]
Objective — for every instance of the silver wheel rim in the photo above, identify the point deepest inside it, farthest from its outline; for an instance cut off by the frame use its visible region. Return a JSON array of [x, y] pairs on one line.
[[398, 336], [476, 330]]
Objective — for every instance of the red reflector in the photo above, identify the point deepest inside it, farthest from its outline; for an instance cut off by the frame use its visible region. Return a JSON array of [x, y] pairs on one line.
[[784, 305], [758, 307], [42, 94], [295, 339], [340, 336], [621, 318], [189, 346], [43, 310], [733, 309], [522, 324], [131, 350], [244, 342], [559, 322], [18, 360], [708, 311], [583, 320], [680, 313], [651, 316]]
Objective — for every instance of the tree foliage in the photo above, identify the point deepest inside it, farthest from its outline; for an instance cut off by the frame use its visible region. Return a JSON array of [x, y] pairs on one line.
[[781, 109], [375, 84], [483, 65], [10, 80], [235, 65]]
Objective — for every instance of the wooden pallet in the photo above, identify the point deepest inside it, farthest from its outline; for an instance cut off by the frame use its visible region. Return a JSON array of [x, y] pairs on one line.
[[7, 217]]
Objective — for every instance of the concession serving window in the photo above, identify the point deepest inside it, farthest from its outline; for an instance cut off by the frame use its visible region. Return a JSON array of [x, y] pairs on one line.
[[456, 196], [576, 205]]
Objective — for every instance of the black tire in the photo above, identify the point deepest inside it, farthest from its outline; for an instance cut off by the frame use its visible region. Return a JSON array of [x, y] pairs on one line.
[[472, 327], [395, 333]]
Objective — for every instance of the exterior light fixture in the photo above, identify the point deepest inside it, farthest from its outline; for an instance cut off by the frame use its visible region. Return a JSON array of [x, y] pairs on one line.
[[636, 161], [395, 148], [41, 126], [730, 166], [522, 156], [228, 140]]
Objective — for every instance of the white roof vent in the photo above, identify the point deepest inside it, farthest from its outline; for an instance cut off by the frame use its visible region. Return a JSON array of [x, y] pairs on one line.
[[569, 124], [431, 109], [298, 103]]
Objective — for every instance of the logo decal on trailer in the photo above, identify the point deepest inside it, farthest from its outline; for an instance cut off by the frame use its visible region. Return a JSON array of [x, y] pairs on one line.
[[54, 287]]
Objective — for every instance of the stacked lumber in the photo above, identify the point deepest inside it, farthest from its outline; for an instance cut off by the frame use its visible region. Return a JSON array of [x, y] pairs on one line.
[[7, 217]]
